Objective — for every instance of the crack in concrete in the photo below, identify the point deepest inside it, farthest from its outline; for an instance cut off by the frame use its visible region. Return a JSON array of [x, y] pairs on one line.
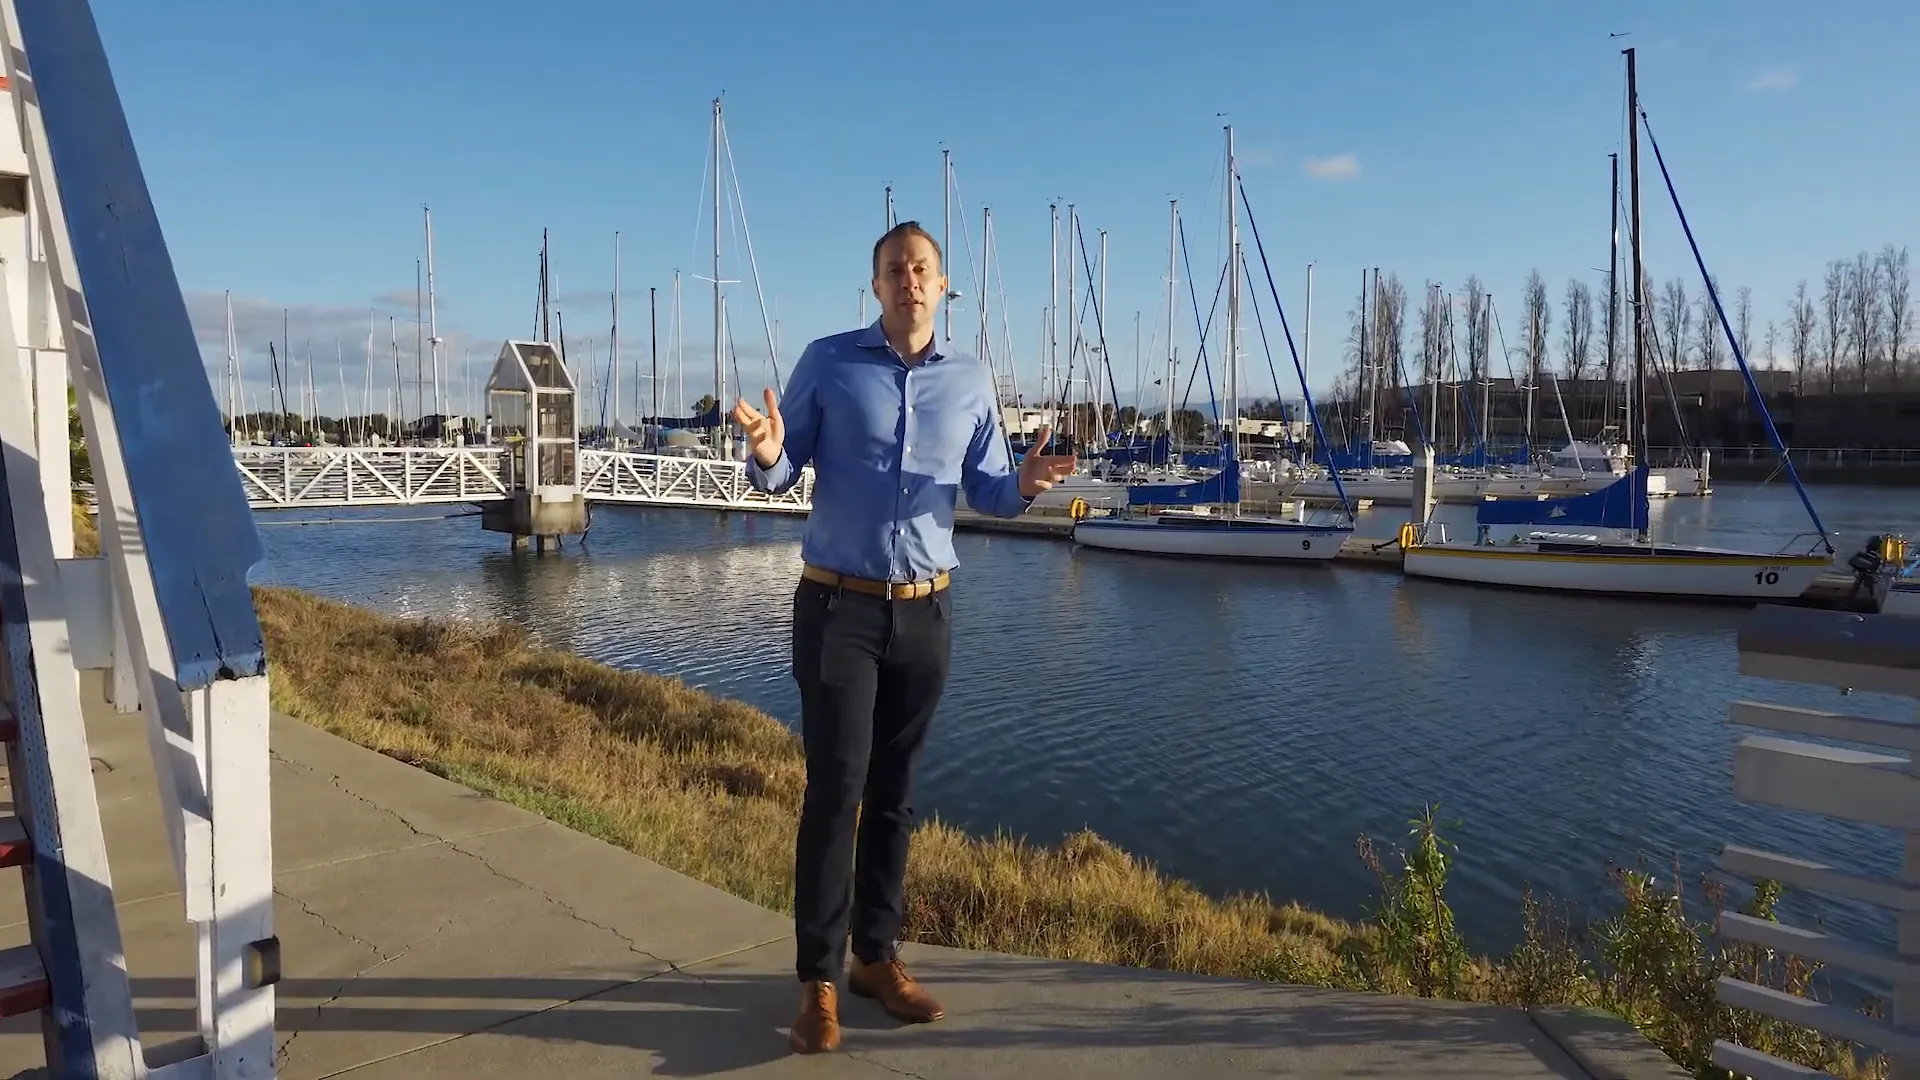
[[340, 786], [284, 1052], [306, 909], [568, 909], [864, 1059]]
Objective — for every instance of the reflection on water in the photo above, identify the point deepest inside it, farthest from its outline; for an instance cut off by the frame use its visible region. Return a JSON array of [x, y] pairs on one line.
[[1237, 725]]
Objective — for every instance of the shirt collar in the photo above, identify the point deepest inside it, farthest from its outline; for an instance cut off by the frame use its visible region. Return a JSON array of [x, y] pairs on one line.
[[873, 337]]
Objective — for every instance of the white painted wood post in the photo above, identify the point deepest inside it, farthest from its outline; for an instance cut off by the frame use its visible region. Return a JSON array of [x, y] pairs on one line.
[[1875, 653]]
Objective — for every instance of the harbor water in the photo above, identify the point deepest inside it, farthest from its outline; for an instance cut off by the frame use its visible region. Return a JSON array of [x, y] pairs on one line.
[[1238, 725]]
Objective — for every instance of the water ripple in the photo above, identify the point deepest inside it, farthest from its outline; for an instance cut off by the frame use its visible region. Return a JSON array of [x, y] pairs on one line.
[[1237, 725]]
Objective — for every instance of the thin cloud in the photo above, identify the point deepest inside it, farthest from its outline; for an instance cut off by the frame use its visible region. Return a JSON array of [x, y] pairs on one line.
[[1778, 80], [1336, 167]]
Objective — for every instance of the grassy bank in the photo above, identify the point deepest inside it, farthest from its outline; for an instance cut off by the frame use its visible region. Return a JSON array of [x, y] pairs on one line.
[[712, 788]]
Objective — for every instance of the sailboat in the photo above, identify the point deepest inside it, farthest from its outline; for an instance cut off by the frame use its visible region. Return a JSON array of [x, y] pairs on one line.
[[1194, 529], [1619, 557]]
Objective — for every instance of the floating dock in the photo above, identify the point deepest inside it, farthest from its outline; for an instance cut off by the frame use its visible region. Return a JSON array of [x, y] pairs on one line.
[[1833, 591]]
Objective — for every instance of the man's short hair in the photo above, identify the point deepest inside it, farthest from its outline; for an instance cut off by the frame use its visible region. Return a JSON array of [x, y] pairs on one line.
[[901, 232]]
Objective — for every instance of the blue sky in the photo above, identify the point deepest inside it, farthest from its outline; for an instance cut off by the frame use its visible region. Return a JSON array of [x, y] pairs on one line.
[[289, 148]]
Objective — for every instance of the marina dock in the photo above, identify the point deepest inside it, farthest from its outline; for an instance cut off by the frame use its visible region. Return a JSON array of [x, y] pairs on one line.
[[1833, 591]]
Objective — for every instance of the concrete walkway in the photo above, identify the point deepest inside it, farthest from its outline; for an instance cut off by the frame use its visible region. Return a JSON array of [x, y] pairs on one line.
[[429, 931]]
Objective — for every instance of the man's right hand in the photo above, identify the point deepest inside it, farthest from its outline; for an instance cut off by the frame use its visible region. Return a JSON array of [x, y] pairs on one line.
[[766, 432]]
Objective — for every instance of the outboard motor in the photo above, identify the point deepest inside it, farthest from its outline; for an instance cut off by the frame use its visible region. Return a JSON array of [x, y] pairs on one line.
[[1884, 556], [1866, 563]]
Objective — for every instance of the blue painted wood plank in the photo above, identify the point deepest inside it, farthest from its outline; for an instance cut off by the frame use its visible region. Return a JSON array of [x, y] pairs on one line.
[[199, 533], [59, 936]]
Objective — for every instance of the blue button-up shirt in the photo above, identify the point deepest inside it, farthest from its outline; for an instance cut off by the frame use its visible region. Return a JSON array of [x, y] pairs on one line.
[[890, 444]]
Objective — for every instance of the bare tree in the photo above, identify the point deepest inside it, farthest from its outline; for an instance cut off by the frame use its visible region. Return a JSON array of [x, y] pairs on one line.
[[1771, 343], [1863, 315], [1710, 347], [1476, 316], [1613, 346], [1390, 332], [1833, 308], [1577, 343], [1896, 276], [1676, 322], [1433, 336], [1743, 320], [1537, 316], [1353, 384], [1800, 332]]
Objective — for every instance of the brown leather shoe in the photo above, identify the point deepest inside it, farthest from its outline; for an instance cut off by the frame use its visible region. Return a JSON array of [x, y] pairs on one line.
[[888, 982], [817, 1029]]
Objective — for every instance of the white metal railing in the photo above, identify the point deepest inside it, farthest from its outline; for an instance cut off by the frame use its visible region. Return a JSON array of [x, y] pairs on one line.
[[1875, 653], [294, 476], [286, 477], [614, 476]]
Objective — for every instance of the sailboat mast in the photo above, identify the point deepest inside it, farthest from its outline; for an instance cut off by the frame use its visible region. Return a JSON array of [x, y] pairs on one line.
[[1306, 355], [946, 238], [399, 404], [722, 437], [1638, 433], [433, 324], [986, 328], [1613, 279], [419, 349], [1232, 460], [1638, 417], [616, 329], [653, 347], [1073, 320], [233, 377], [1053, 313], [1173, 265], [1106, 365]]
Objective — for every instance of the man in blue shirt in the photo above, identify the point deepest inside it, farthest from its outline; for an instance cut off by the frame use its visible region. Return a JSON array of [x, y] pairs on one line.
[[893, 428]]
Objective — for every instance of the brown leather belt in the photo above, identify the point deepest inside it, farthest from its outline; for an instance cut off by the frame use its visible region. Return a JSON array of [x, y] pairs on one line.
[[885, 590]]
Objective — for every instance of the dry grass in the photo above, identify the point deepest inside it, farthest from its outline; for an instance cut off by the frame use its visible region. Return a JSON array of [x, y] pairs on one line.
[[712, 788]]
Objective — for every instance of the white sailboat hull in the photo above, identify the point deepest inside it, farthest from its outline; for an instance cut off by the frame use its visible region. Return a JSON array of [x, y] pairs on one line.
[[1621, 569], [1261, 539], [1099, 494]]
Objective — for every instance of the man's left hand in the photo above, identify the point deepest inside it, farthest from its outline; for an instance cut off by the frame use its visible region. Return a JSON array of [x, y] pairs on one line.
[[1038, 471]]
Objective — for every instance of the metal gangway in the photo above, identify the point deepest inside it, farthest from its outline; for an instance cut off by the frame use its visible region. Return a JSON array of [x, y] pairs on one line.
[[313, 477]]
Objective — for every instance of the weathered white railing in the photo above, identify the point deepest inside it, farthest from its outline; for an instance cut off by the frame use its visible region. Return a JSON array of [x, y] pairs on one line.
[[612, 476], [287, 477], [291, 476], [1876, 653]]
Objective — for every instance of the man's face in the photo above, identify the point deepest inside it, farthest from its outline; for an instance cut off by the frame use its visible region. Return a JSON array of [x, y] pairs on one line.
[[909, 283]]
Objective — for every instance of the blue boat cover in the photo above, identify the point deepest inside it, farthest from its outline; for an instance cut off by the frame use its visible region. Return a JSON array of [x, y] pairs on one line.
[[1620, 505], [1221, 487]]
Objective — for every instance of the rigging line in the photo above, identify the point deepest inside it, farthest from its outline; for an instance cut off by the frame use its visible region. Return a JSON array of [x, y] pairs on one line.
[[966, 236], [1099, 320], [1006, 328], [700, 204], [1260, 324], [1306, 393], [1746, 373], [1500, 333], [1204, 328], [753, 264]]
